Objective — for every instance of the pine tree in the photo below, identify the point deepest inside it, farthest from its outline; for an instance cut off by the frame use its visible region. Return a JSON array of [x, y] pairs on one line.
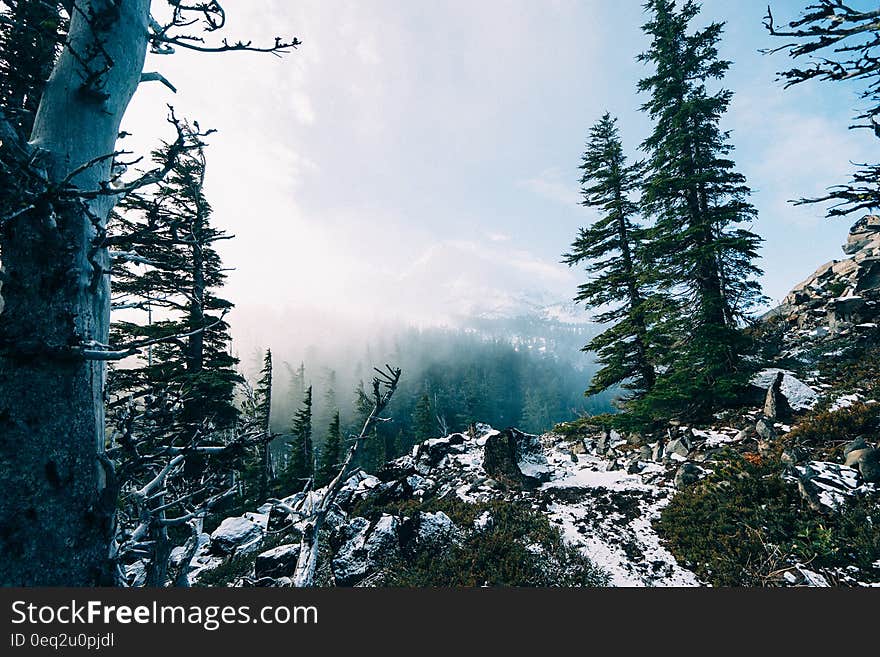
[[612, 247], [263, 414], [424, 426], [167, 268], [699, 250], [301, 461], [331, 454]]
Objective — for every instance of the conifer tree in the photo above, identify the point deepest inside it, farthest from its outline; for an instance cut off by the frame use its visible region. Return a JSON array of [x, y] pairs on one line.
[[301, 460], [331, 454], [700, 250], [166, 266], [423, 419], [263, 414], [612, 248]]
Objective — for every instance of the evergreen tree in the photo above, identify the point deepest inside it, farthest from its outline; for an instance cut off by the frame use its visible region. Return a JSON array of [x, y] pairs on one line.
[[699, 250], [263, 414], [331, 454], [424, 426], [613, 250], [167, 267], [301, 461]]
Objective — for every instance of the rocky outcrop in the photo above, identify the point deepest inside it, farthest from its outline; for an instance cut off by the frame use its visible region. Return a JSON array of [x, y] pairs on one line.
[[843, 296]]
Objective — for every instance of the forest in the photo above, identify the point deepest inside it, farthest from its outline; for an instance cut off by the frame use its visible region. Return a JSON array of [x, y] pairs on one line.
[[130, 424]]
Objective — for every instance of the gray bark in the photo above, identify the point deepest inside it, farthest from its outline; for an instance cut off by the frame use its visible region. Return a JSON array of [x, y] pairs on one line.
[[57, 507]]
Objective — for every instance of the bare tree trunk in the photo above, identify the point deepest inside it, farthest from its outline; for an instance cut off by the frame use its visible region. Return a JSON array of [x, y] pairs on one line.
[[57, 506]]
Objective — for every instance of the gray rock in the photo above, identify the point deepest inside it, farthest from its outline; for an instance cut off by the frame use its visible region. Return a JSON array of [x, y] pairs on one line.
[[857, 444], [233, 533], [680, 446], [687, 475], [646, 453], [367, 549], [855, 456], [776, 406], [435, 529], [869, 466], [793, 456], [277, 562], [765, 429]]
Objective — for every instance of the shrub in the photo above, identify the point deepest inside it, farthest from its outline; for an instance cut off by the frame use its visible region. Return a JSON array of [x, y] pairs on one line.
[[827, 431], [521, 548], [744, 525]]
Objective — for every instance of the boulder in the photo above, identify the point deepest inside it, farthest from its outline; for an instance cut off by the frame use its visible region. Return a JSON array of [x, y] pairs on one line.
[[765, 429], [687, 475], [516, 458], [869, 466], [776, 406], [798, 395], [277, 562], [432, 451], [367, 548], [855, 456], [234, 533], [680, 446], [857, 444], [435, 529]]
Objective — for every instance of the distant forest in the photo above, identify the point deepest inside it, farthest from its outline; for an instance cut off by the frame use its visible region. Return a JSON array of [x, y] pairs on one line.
[[452, 378]]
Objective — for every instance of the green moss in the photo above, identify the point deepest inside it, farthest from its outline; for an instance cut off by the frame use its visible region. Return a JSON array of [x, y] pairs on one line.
[[744, 525]]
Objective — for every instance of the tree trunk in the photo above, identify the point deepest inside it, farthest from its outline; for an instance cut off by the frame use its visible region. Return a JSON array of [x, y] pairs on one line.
[[57, 507]]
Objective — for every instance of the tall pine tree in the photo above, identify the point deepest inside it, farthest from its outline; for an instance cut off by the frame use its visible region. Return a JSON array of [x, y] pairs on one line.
[[167, 267], [300, 465], [612, 248], [700, 250], [331, 453]]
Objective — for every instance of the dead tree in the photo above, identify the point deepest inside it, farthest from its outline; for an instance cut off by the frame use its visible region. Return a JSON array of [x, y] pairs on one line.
[[841, 43], [59, 185], [316, 509]]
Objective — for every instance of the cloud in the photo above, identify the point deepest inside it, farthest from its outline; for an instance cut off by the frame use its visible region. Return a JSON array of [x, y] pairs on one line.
[[552, 184]]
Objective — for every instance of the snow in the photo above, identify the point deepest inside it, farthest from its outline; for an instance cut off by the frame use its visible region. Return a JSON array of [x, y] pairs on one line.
[[844, 402]]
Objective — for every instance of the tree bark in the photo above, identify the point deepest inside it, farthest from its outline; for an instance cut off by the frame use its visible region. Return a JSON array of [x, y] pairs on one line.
[[57, 507]]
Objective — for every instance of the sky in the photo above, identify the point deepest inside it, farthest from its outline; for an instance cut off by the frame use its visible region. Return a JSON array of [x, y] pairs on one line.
[[415, 161]]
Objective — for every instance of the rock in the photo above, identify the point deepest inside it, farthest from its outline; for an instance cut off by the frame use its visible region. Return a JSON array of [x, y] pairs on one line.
[[233, 533], [680, 446], [853, 458], [484, 522], [646, 453], [798, 395], [776, 405], [765, 429], [687, 474], [277, 562], [826, 486], [367, 548], [435, 529], [635, 467], [658, 451], [516, 458], [857, 444], [433, 451], [397, 469], [793, 456], [869, 466]]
